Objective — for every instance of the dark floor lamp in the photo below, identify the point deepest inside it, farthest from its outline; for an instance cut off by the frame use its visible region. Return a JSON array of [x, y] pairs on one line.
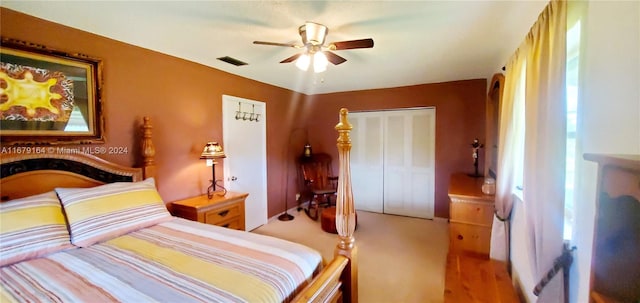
[[286, 216], [211, 152]]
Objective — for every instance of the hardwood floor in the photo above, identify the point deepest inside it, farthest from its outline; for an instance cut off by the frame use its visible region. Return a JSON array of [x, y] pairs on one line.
[[477, 279]]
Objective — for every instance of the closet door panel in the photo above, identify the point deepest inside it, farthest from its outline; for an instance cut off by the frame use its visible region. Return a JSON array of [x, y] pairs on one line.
[[423, 163], [395, 163], [409, 161], [366, 162]]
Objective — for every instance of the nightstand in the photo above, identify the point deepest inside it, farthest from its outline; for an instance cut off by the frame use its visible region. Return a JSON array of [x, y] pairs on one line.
[[226, 211], [471, 215]]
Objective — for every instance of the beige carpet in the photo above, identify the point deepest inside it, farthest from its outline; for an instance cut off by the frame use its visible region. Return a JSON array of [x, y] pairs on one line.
[[401, 259]]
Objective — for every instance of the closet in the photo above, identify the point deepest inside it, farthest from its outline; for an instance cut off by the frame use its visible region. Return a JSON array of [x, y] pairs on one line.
[[393, 161]]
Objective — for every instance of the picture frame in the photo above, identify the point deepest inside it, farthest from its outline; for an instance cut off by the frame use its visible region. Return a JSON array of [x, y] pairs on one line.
[[49, 96]]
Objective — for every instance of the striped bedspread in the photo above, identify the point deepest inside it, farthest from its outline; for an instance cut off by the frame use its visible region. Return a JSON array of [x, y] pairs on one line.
[[175, 261]]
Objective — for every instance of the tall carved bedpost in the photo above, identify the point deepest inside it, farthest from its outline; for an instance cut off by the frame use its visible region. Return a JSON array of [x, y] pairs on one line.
[[345, 210], [148, 150]]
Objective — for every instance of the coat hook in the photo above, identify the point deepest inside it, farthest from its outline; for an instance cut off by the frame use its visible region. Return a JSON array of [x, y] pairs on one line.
[[238, 112], [253, 112]]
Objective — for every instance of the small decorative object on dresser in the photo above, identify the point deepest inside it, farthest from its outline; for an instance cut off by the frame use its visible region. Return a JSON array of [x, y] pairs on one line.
[[471, 215], [476, 146], [226, 211]]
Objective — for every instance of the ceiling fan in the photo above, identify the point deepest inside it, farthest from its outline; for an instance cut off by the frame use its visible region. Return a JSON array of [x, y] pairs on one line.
[[313, 42]]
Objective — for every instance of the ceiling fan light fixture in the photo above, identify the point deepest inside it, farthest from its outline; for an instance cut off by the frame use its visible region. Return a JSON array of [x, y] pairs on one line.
[[315, 51], [320, 62], [303, 62], [313, 33]]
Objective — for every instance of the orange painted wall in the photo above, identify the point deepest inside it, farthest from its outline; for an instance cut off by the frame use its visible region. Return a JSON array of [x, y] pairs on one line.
[[184, 100], [460, 117]]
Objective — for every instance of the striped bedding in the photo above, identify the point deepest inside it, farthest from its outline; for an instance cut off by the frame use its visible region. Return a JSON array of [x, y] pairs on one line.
[[174, 261]]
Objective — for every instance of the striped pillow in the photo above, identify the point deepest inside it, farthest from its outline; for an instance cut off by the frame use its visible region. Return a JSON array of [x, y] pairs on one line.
[[103, 212], [32, 227]]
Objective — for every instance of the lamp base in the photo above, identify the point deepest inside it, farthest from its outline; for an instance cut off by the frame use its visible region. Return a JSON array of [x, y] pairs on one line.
[[212, 189], [285, 217]]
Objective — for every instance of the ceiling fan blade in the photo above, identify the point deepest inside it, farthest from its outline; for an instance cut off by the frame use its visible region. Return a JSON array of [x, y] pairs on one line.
[[276, 44], [291, 59], [352, 44], [333, 58]]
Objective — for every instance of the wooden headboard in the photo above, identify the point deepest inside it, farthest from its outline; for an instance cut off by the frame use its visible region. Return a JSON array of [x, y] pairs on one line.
[[41, 169]]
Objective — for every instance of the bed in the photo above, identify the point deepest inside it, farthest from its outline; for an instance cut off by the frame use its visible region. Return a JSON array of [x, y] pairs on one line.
[[77, 228]]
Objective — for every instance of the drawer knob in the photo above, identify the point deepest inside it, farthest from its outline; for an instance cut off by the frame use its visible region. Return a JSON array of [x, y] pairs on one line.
[[460, 237], [223, 213]]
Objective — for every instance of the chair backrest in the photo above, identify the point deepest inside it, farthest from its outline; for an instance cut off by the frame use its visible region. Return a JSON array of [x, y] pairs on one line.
[[316, 171]]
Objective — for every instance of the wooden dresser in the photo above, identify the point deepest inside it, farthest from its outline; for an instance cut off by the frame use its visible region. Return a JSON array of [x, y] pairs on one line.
[[615, 263], [471, 215], [226, 211]]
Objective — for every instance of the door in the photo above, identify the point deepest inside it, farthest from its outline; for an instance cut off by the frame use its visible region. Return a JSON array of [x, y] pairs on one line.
[[393, 161], [245, 167], [409, 163], [367, 180]]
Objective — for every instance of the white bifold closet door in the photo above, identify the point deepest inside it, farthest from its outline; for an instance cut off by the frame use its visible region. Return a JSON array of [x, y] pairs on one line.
[[393, 161]]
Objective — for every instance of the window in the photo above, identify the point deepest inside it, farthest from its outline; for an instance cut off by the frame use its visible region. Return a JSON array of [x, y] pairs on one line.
[[573, 55], [519, 121]]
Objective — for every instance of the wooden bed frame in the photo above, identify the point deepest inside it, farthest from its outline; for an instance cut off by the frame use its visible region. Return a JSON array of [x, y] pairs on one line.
[[37, 171]]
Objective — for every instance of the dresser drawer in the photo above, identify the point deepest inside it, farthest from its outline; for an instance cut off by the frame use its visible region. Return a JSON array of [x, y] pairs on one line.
[[472, 213], [467, 237], [234, 223], [222, 214]]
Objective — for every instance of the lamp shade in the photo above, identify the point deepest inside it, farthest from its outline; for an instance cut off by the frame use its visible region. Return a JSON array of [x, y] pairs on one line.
[[213, 150]]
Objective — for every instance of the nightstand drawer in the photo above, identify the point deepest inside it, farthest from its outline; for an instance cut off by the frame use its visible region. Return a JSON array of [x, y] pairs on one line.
[[472, 213], [234, 223], [222, 214], [467, 237], [226, 211]]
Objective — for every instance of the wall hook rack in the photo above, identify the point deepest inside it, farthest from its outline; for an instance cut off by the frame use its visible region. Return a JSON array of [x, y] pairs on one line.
[[251, 116]]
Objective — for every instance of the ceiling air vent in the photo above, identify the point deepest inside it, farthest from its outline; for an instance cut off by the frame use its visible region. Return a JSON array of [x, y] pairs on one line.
[[233, 61]]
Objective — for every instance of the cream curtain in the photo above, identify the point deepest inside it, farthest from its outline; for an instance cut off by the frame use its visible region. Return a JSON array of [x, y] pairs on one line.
[[509, 153], [545, 143], [542, 59]]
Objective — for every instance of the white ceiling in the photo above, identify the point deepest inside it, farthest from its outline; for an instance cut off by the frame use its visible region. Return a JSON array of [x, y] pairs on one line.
[[416, 42]]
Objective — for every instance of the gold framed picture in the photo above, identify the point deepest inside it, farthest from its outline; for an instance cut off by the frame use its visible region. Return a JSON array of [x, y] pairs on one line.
[[48, 96]]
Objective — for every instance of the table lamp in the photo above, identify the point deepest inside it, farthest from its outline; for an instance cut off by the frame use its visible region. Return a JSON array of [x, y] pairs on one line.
[[211, 152]]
